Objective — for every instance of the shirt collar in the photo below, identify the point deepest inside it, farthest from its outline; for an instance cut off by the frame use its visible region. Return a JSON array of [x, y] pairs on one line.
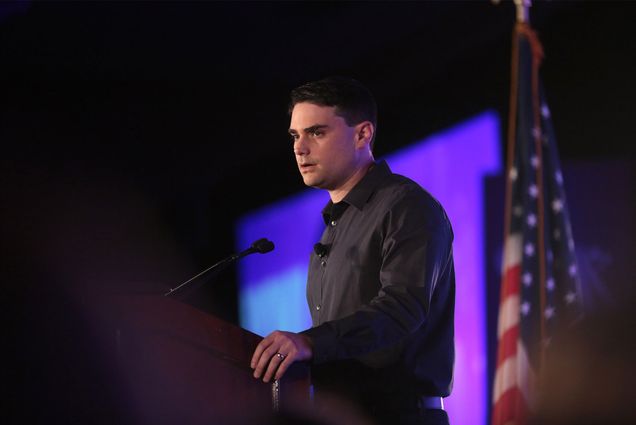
[[361, 192]]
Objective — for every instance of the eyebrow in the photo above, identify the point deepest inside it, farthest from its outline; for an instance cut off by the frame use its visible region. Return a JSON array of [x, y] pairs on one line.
[[309, 129]]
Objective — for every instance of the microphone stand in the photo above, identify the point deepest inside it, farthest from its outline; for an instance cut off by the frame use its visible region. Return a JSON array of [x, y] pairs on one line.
[[262, 246]]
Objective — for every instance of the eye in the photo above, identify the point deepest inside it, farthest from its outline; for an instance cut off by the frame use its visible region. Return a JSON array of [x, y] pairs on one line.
[[317, 133], [293, 137]]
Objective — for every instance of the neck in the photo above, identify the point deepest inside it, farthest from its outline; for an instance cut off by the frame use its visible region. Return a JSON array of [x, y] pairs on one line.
[[338, 195]]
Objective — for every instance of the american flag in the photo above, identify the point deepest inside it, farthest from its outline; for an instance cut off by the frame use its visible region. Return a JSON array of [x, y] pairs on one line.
[[540, 283]]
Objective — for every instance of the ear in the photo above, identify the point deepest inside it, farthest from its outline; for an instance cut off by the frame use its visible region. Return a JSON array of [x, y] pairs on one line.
[[364, 134]]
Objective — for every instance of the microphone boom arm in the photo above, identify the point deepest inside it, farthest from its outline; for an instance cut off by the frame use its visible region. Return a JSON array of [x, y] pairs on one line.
[[261, 246]]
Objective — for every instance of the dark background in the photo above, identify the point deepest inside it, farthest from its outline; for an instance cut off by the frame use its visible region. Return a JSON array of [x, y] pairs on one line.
[[134, 133]]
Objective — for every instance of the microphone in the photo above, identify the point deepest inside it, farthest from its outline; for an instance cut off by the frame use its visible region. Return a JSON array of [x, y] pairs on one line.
[[262, 246], [321, 250]]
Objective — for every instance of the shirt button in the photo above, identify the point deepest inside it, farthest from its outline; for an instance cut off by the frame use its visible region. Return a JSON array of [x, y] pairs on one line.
[[318, 307], [333, 223], [323, 263]]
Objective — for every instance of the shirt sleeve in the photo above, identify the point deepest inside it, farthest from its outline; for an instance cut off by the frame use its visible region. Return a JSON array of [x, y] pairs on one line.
[[416, 255]]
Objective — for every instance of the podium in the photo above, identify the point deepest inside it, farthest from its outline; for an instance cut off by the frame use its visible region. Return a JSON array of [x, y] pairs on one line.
[[177, 364]]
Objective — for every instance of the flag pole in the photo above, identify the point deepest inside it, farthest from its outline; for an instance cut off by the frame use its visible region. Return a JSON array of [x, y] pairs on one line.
[[523, 10], [523, 26]]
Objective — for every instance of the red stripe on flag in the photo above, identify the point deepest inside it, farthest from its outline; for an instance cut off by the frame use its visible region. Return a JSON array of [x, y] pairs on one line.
[[510, 408], [511, 282], [507, 345]]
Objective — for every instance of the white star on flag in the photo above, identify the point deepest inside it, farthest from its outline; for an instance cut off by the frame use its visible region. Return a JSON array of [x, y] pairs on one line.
[[517, 210], [532, 220], [534, 161], [533, 191], [572, 270], [570, 297], [545, 111], [536, 132], [549, 312], [558, 177], [571, 244], [529, 249], [557, 234], [527, 279], [549, 256], [525, 308], [549, 284], [557, 205]]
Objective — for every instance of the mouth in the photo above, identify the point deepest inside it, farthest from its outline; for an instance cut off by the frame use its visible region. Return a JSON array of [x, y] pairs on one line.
[[306, 167]]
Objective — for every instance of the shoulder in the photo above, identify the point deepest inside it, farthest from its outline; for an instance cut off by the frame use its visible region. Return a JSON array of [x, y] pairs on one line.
[[404, 198]]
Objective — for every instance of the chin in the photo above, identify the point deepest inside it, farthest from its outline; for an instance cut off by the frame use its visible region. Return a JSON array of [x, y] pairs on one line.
[[312, 182]]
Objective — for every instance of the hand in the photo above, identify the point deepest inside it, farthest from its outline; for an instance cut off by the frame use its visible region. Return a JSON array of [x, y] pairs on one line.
[[293, 347]]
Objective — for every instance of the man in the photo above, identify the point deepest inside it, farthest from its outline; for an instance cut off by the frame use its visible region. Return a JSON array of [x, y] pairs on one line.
[[381, 284]]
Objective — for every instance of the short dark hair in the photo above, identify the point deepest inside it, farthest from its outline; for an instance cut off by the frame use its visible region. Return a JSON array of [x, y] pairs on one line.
[[353, 101]]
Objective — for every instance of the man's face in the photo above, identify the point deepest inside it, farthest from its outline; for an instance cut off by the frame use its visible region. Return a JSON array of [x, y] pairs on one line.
[[324, 146]]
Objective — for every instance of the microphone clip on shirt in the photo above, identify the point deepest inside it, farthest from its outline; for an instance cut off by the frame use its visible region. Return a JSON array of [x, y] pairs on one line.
[[321, 250]]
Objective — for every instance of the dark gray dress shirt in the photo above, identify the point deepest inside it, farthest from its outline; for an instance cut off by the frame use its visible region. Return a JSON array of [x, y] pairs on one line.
[[382, 290]]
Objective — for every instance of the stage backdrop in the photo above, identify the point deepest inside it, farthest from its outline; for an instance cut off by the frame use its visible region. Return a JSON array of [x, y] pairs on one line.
[[451, 165]]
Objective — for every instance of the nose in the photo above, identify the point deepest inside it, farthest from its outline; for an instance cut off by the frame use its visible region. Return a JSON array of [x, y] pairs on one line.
[[300, 146]]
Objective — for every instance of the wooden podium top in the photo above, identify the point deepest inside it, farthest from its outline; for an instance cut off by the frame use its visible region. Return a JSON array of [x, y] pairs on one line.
[[180, 365]]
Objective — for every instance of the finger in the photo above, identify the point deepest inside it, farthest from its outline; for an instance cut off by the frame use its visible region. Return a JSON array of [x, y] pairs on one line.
[[274, 364], [282, 368], [264, 361], [260, 348]]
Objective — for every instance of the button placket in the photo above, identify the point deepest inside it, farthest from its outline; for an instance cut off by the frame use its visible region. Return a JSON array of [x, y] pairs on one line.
[[330, 236]]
